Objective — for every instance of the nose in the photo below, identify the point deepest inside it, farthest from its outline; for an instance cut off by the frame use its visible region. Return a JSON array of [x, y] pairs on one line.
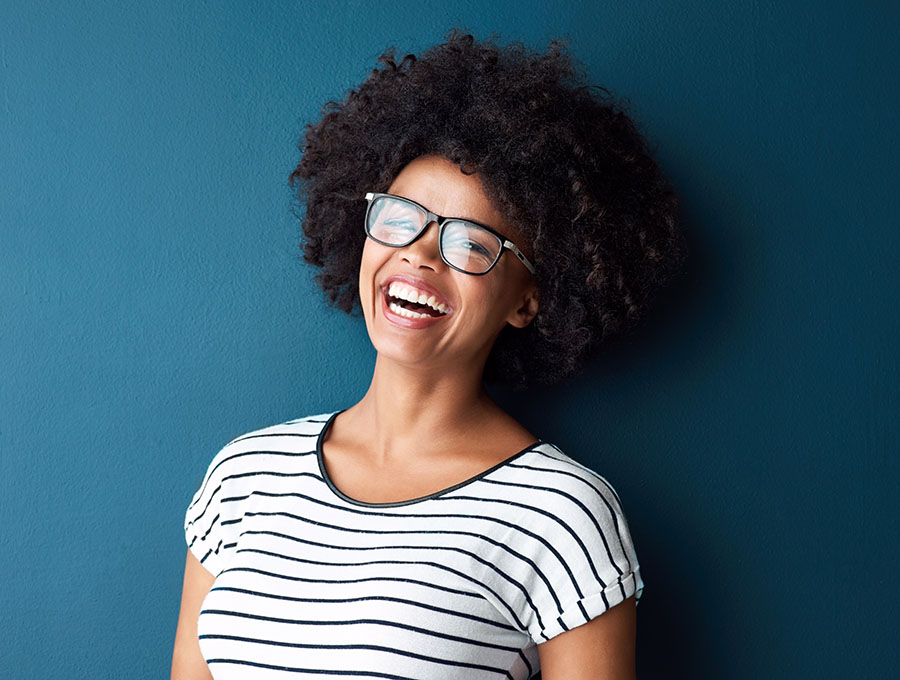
[[424, 251]]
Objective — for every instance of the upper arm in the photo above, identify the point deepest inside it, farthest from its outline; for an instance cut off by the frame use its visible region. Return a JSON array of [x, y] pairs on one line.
[[602, 649], [187, 661]]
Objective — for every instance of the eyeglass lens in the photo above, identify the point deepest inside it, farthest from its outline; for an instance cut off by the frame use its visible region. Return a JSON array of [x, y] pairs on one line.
[[463, 245]]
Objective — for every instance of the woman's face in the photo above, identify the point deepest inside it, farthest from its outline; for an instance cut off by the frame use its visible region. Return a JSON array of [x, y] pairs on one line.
[[477, 307]]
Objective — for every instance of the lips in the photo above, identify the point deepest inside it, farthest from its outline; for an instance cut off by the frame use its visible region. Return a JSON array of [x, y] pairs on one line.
[[419, 285], [412, 303]]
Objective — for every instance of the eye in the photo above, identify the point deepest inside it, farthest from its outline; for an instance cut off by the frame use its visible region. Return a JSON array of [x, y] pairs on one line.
[[399, 224], [471, 247], [468, 246]]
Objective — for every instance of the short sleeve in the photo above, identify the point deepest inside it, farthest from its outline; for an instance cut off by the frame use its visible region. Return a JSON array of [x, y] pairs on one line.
[[210, 523], [587, 562]]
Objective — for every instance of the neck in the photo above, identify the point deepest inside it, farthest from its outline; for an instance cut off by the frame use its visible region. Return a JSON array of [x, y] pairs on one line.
[[408, 410]]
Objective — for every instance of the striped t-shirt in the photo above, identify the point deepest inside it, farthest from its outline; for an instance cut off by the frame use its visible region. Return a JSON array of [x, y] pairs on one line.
[[462, 583]]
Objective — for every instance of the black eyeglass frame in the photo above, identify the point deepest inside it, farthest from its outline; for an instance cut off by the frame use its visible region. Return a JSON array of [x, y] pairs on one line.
[[505, 244]]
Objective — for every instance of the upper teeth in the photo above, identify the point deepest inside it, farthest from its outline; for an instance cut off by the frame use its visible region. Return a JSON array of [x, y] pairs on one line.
[[406, 292]]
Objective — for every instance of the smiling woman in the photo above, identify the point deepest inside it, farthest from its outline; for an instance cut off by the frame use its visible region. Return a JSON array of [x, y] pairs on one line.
[[491, 218]]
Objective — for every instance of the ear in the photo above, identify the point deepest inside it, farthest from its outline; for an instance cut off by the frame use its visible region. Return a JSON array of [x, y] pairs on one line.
[[527, 308]]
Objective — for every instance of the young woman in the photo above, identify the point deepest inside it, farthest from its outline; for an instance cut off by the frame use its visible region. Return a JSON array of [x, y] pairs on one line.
[[491, 218]]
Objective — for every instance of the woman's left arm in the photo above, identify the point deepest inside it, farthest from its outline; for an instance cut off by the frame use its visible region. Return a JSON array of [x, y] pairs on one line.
[[602, 649]]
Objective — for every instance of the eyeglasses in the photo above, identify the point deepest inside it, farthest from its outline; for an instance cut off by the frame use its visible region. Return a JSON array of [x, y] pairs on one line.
[[464, 245]]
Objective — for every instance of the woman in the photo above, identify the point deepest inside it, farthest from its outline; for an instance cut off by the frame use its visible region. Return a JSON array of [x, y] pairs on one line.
[[513, 219]]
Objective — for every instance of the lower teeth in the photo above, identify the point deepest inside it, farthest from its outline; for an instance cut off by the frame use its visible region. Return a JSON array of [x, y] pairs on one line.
[[397, 309]]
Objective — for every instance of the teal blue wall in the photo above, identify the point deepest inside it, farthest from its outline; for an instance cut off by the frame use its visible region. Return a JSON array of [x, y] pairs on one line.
[[153, 305]]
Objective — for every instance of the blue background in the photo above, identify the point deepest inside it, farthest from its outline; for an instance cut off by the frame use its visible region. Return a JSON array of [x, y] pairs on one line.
[[153, 305]]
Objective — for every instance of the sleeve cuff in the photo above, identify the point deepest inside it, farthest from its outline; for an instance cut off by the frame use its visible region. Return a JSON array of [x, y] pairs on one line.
[[591, 606], [203, 548]]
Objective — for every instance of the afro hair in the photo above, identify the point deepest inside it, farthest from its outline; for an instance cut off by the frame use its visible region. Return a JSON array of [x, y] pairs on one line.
[[560, 159]]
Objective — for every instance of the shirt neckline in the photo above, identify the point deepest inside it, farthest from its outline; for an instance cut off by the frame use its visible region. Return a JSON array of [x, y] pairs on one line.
[[340, 494]]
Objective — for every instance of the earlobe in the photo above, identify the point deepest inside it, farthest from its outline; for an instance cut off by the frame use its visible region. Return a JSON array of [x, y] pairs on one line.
[[527, 310]]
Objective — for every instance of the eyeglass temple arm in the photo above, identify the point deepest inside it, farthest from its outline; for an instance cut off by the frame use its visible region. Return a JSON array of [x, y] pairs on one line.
[[509, 245]]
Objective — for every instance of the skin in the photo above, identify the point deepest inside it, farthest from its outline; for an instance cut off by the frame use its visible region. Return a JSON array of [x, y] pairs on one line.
[[426, 394], [187, 661], [411, 433]]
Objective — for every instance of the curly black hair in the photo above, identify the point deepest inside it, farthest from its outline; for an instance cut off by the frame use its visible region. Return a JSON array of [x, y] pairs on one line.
[[558, 158]]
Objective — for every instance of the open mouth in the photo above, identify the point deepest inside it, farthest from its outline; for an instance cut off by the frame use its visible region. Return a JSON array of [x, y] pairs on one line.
[[406, 301]]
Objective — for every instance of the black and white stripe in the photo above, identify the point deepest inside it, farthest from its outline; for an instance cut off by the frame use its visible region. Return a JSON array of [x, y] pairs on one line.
[[463, 583]]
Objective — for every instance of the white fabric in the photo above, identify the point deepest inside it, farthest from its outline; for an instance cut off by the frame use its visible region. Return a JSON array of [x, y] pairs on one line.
[[460, 584]]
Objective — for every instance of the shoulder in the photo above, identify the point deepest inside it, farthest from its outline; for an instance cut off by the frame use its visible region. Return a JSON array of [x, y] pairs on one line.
[[308, 426], [248, 464], [273, 444], [570, 504], [578, 539], [554, 472], [289, 434]]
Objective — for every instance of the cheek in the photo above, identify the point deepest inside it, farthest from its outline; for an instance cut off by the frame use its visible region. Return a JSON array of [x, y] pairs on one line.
[[374, 257], [487, 302], [368, 265], [366, 275], [501, 298]]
